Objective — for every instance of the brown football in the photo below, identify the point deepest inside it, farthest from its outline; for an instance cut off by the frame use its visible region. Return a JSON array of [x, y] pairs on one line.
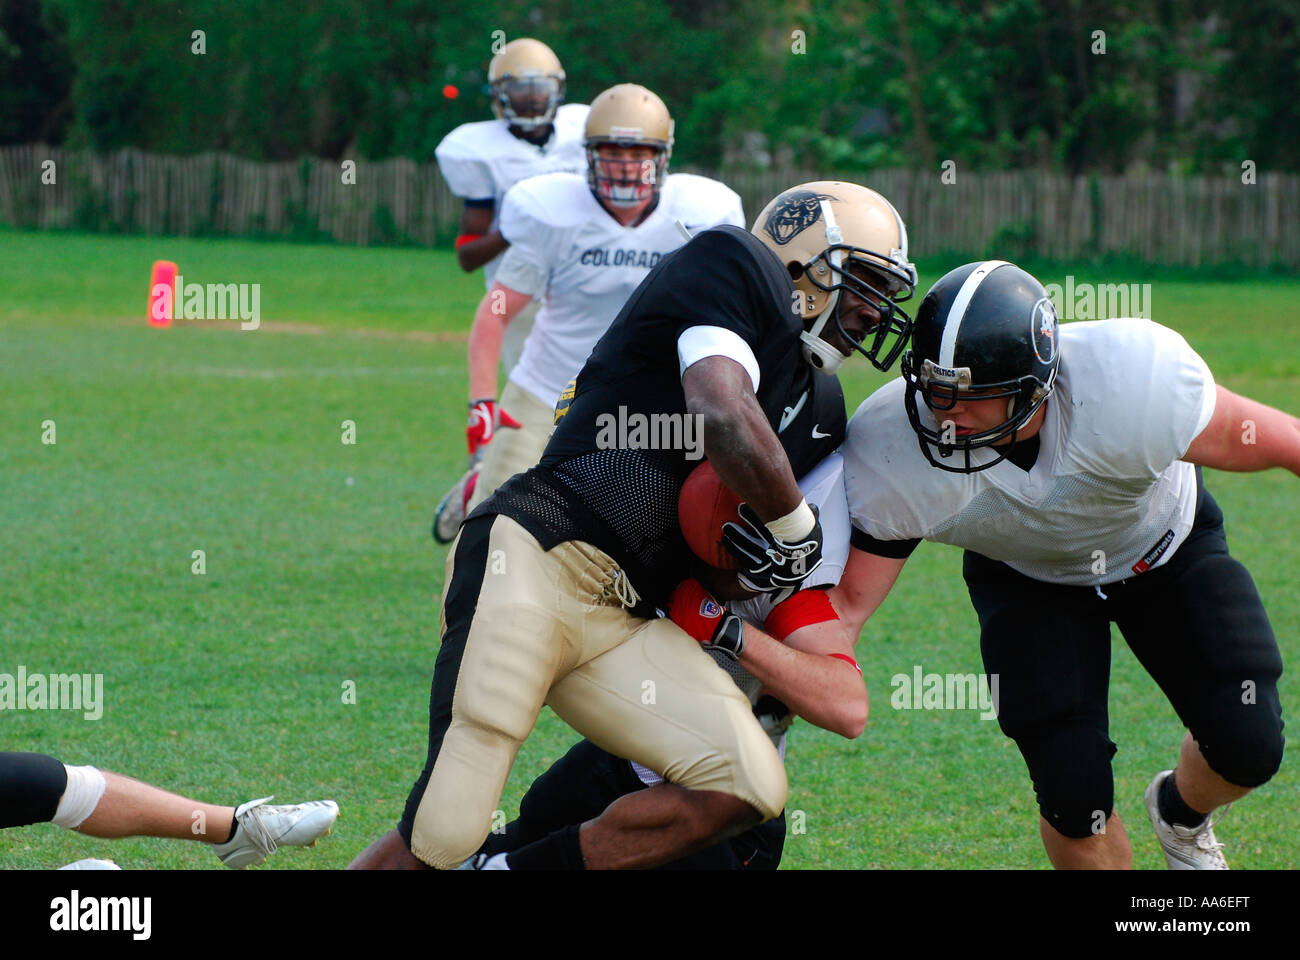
[[704, 505]]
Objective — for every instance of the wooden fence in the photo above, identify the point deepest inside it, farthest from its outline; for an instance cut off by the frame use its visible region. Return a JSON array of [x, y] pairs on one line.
[[1186, 221]]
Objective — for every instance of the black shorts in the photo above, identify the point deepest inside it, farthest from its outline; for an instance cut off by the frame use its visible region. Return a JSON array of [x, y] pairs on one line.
[[582, 783], [1196, 625]]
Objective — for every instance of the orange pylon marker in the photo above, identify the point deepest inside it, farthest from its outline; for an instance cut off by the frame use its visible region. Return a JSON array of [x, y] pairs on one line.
[[162, 289]]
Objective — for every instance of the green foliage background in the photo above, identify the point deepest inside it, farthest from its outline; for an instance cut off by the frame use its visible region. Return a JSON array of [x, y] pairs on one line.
[[992, 85]]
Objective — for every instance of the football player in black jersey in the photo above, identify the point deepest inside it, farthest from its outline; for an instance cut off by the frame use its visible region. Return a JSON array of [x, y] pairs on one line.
[[554, 584]]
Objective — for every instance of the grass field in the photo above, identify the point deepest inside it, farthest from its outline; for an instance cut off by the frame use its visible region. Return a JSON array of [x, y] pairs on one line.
[[320, 570]]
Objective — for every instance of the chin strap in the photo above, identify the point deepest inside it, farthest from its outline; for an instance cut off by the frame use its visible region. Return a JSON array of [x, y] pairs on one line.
[[824, 357]]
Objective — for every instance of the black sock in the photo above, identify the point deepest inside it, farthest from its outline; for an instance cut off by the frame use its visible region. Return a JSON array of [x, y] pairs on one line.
[[1174, 809], [234, 825], [557, 851]]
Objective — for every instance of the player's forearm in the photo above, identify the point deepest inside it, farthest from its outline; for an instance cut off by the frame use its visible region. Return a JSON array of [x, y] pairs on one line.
[[485, 339], [824, 690], [751, 462], [738, 440], [475, 253]]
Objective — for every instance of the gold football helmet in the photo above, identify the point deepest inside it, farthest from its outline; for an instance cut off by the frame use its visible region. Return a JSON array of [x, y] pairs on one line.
[[526, 83], [628, 115], [835, 236]]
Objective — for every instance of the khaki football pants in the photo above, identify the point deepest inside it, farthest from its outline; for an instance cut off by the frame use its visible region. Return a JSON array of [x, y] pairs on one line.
[[514, 449], [543, 626]]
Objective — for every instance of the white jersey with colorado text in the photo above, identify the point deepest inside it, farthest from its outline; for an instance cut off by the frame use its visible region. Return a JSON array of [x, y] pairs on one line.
[[1108, 497], [482, 160], [583, 264]]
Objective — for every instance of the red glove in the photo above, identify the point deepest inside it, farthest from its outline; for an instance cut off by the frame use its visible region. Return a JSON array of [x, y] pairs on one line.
[[485, 418], [693, 609]]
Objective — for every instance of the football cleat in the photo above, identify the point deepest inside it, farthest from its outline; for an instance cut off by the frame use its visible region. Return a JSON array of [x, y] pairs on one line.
[[485, 861], [1186, 848], [451, 509], [91, 863], [261, 829]]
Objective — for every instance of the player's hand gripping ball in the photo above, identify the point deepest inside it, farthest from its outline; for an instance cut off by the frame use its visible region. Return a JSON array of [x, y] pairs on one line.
[[728, 535], [765, 562]]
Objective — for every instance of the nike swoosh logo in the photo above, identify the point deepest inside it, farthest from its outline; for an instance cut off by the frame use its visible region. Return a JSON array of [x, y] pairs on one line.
[[816, 434], [791, 413]]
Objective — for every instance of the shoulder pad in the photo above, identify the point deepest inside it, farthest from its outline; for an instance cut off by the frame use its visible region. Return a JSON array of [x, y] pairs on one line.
[[701, 197], [473, 141], [571, 121], [555, 199]]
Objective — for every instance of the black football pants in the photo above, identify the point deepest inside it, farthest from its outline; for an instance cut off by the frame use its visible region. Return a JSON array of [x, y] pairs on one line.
[[1196, 625]]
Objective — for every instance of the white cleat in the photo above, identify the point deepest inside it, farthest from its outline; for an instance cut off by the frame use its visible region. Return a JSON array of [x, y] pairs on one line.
[[262, 829], [91, 863], [451, 509], [483, 861], [1186, 848]]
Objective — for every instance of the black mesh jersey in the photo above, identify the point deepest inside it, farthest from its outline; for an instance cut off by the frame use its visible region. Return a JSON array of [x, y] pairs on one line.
[[615, 465]]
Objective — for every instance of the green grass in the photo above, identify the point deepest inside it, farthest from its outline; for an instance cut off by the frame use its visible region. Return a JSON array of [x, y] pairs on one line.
[[320, 569]]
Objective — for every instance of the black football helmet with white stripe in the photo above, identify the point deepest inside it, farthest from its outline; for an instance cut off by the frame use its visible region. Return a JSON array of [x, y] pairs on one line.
[[986, 330]]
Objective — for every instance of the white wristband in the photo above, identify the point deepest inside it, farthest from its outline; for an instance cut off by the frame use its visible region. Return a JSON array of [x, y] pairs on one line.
[[795, 525]]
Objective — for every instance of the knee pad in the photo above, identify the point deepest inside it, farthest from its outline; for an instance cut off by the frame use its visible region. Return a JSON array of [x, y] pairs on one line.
[[748, 768], [1246, 754], [30, 787], [772, 792], [1070, 768], [762, 784], [86, 785]]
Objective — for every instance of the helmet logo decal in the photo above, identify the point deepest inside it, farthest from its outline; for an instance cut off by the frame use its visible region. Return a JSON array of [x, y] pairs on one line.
[[798, 211], [1042, 329]]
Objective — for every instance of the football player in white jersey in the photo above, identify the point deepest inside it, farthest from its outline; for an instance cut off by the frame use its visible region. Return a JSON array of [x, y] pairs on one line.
[[1066, 462], [581, 245], [534, 132]]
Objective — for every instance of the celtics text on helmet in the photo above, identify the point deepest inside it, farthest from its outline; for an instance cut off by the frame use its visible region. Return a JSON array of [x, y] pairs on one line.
[[984, 331], [628, 115], [835, 236], [526, 83]]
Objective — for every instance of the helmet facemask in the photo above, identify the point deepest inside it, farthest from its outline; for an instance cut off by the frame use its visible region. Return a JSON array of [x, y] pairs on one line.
[[831, 271], [625, 183], [528, 102], [943, 387]]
